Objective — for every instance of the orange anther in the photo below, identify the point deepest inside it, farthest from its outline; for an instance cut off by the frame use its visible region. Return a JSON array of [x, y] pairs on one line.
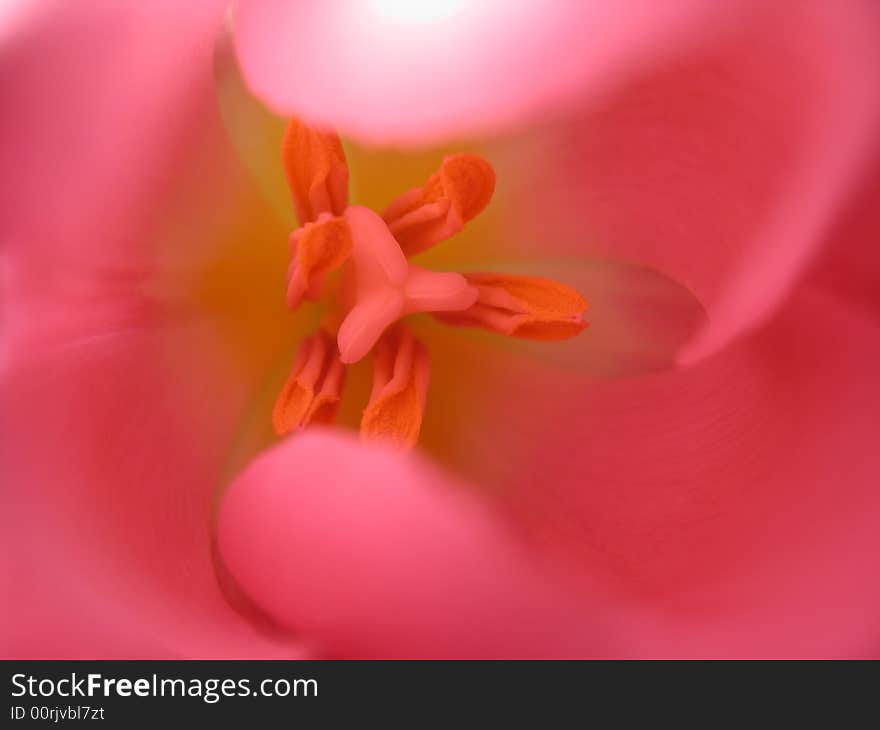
[[317, 248], [314, 388], [457, 192], [401, 370], [317, 173], [523, 306]]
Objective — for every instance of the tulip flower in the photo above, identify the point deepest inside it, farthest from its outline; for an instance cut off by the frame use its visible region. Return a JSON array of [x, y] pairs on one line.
[[222, 260]]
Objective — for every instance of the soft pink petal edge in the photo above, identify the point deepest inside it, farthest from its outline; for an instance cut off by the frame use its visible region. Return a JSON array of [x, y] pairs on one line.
[[725, 508], [724, 167], [392, 72], [371, 554], [97, 376], [112, 454]]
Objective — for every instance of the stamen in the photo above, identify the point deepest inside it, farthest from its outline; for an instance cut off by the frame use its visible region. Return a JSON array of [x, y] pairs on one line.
[[424, 216], [316, 249], [401, 371], [523, 306], [314, 163], [314, 389]]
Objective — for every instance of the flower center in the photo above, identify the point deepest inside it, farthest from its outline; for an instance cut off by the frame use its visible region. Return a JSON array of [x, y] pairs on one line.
[[380, 286]]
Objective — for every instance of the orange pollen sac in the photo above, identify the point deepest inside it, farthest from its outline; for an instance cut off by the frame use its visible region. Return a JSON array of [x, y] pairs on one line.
[[530, 307], [379, 285], [401, 370], [314, 389], [451, 197], [316, 249], [314, 163]]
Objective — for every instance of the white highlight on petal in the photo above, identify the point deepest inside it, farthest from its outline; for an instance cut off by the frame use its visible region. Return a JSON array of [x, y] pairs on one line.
[[416, 11]]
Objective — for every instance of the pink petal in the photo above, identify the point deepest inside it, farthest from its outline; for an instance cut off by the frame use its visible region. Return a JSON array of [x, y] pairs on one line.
[[388, 71], [14, 14], [722, 168], [116, 445], [729, 508], [850, 261], [376, 555], [49, 613], [94, 115], [120, 398]]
